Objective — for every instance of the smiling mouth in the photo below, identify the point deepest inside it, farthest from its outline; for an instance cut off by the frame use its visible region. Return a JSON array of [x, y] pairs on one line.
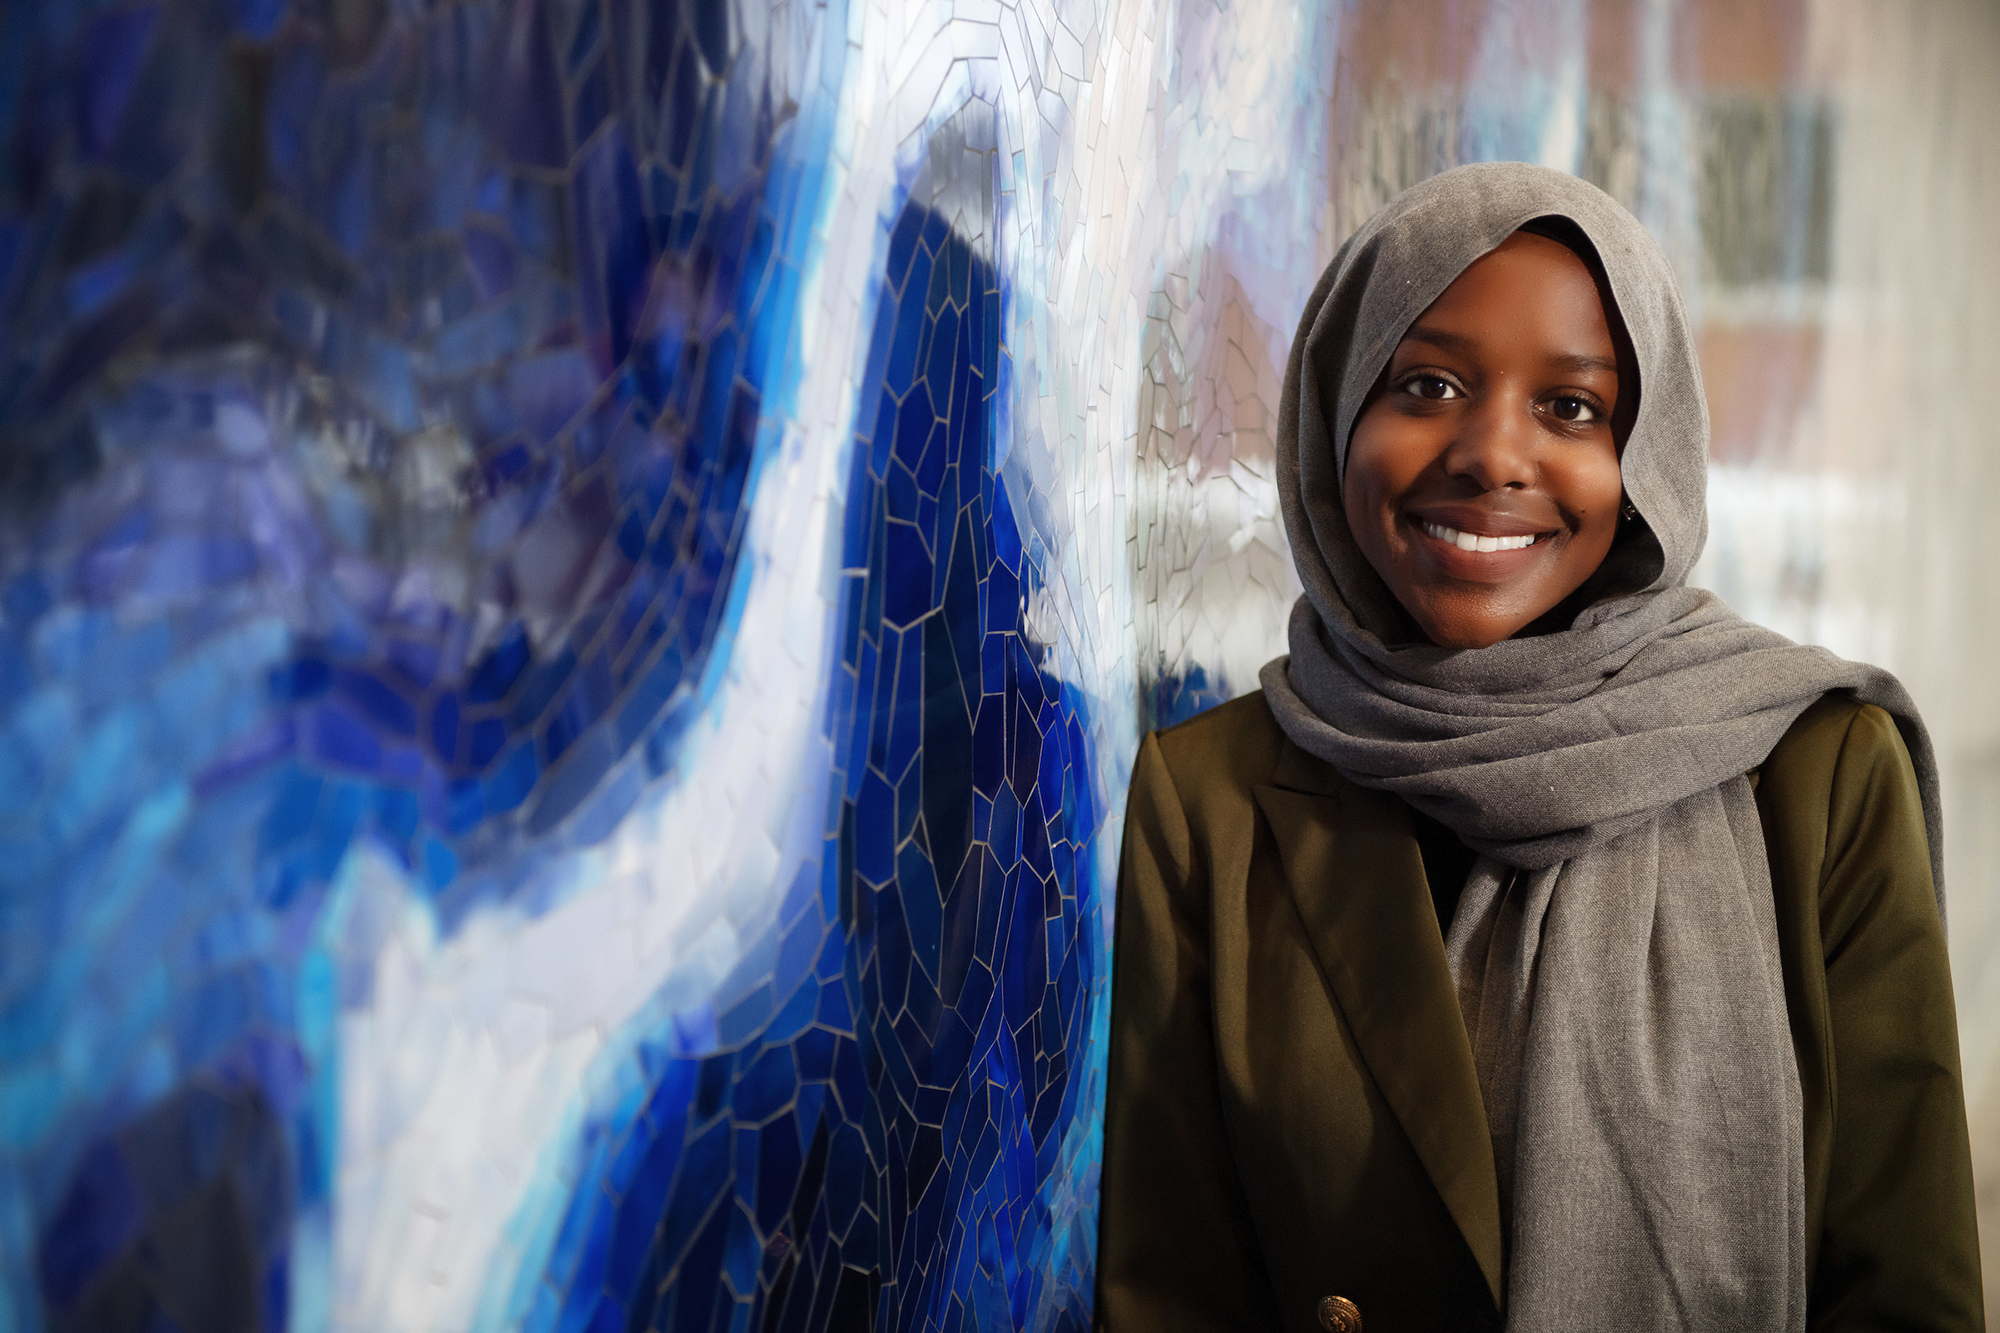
[[1466, 541]]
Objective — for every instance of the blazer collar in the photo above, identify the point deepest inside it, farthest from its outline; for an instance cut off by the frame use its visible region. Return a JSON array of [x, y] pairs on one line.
[[1356, 877]]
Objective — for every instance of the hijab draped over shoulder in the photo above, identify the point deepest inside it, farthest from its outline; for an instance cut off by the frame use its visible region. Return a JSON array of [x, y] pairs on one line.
[[1615, 948]]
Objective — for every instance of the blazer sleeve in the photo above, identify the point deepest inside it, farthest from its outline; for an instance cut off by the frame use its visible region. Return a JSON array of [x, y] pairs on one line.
[[1175, 1239], [1900, 1244]]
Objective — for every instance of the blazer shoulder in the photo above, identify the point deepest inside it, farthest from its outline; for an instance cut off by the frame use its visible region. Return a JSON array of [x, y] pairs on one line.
[[1817, 735], [1840, 783], [1837, 741], [1235, 745]]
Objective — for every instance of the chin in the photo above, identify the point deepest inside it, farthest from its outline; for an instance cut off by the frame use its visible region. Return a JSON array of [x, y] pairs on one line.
[[1465, 632], [1469, 640]]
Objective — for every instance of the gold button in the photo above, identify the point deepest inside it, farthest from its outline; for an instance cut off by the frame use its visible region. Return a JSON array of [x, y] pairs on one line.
[[1337, 1314]]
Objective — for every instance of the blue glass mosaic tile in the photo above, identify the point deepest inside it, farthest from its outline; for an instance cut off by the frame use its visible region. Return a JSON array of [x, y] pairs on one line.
[[910, 1194], [244, 663], [380, 489]]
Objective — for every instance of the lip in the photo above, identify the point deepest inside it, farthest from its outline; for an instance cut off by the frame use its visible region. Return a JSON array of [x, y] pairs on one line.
[[1481, 521], [1453, 562]]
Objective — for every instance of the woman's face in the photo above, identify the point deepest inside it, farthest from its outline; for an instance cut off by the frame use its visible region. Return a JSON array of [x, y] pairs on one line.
[[1482, 480]]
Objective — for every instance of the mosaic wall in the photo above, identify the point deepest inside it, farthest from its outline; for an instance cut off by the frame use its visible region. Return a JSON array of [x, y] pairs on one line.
[[579, 580]]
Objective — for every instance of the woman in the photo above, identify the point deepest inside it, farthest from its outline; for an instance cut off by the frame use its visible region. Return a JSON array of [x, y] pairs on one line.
[[1544, 945]]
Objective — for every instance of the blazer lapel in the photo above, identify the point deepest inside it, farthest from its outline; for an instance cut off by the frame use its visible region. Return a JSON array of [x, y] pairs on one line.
[[1355, 876]]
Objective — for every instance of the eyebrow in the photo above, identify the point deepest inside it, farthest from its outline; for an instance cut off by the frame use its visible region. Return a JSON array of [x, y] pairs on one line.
[[1457, 342]]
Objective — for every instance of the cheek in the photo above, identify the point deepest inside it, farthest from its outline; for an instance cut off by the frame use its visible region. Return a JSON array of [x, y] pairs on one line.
[[1357, 481], [1592, 487], [1355, 488], [1381, 464]]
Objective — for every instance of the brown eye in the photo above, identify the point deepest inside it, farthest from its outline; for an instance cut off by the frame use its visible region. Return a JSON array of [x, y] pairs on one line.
[[1572, 409], [1434, 387]]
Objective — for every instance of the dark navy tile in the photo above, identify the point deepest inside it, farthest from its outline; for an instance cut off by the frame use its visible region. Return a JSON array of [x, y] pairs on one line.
[[342, 739], [962, 264], [488, 736], [814, 1050], [901, 367], [906, 716], [794, 1014], [936, 230], [923, 910], [874, 817], [835, 1015], [306, 678], [377, 701], [98, 1217], [593, 101], [780, 1162], [528, 87], [767, 1087], [909, 573], [511, 779], [902, 248], [943, 362], [498, 670]]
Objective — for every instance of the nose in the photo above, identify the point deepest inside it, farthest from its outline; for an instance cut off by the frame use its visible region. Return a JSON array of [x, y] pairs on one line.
[[1495, 444]]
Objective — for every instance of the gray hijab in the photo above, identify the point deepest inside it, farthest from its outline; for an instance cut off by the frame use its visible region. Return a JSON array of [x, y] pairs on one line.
[[1615, 948]]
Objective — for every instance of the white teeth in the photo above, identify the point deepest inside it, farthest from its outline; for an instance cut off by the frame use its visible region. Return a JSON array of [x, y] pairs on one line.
[[1466, 541]]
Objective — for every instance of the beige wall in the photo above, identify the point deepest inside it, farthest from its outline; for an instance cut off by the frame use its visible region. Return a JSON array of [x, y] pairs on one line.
[[1905, 409]]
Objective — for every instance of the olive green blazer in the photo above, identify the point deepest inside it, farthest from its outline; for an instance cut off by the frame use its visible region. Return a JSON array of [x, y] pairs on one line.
[[1292, 1111]]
